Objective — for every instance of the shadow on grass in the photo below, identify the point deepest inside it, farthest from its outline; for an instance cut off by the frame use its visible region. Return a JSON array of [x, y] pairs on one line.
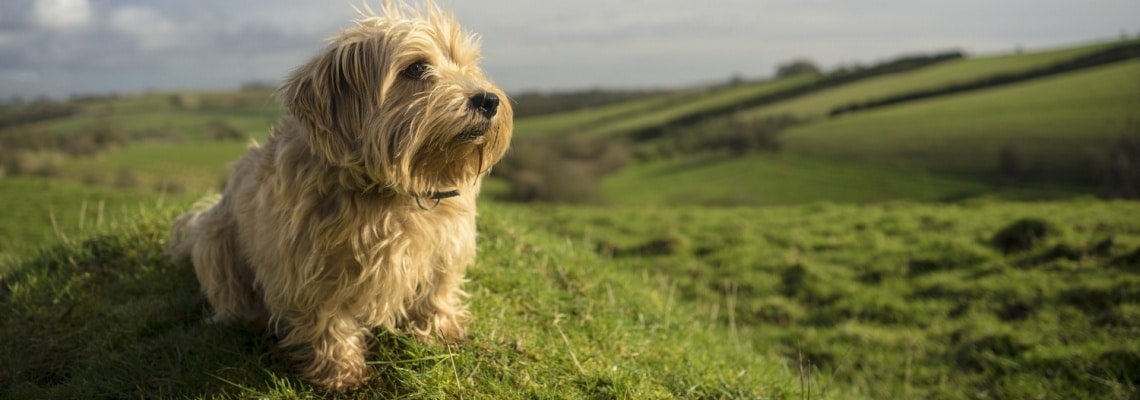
[[110, 317]]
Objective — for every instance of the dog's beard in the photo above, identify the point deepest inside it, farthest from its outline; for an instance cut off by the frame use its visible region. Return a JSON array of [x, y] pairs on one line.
[[433, 142]]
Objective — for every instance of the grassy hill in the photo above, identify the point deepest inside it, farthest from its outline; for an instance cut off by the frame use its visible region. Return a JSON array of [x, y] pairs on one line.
[[966, 297], [106, 316], [1054, 125], [819, 104], [983, 299], [1060, 133], [976, 300], [35, 212], [763, 179]]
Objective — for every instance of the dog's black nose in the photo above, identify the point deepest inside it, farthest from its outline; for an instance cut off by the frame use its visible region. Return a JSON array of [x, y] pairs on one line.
[[486, 103]]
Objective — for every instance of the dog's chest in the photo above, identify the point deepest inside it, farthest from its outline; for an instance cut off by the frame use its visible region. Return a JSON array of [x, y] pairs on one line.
[[415, 242]]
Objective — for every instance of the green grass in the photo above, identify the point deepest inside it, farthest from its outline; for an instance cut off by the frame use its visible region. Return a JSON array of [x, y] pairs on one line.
[[577, 120], [251, 112], [1056, 123], [34, 212], [886, 301], [905, 300], [192, 166], [622, 118], [781, 179], [106, 316], [818, 104]]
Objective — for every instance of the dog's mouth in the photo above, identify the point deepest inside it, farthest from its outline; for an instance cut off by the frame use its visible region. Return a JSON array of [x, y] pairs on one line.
[[473, 135]]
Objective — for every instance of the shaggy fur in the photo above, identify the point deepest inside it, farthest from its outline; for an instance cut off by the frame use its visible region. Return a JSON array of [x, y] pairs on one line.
[[331, 227]]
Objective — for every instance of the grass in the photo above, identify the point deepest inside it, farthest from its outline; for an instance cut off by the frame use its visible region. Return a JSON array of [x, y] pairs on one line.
[[975, 299], [190, 166], [183, 114], [616, 120], [107, 316], [1056, 124], [782, 179], [905, 300], [37, 211], [896, 300], [817, 105]]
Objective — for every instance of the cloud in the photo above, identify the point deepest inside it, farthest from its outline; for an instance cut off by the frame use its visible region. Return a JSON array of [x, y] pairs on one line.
[[60, 47], [61, 14], [150, 29]]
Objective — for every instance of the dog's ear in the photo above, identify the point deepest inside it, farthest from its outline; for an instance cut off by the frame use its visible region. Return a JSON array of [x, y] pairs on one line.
[[332, 96]]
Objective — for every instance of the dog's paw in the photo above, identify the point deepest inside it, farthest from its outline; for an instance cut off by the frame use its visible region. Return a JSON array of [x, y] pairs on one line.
[[345, 378]]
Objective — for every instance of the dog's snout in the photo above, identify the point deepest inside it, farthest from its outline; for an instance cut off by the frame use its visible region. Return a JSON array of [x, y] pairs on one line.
[[486, 103]]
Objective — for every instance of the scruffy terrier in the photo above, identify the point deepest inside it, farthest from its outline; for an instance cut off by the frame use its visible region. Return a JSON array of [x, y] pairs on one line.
[[359, 210]]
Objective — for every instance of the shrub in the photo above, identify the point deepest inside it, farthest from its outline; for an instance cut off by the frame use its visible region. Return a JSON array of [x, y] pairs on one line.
[[559, 169]]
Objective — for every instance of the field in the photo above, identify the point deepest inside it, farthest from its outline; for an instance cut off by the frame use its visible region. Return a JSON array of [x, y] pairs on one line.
[[819, 104], [37, 212], [109, 317], [1054, 123], [977, 300], [622, 118], [783, 179], [955, 247]]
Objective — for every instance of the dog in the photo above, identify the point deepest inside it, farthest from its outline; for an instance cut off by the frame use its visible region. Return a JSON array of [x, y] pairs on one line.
[[358, 211]]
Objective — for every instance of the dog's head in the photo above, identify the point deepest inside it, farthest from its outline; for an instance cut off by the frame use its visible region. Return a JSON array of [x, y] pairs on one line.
[[400, 100]]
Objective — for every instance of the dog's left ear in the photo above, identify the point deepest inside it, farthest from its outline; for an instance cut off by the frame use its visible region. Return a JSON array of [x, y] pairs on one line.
[[333, 94]]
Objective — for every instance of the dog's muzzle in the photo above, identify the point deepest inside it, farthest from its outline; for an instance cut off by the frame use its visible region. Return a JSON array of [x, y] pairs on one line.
[[485, 103]]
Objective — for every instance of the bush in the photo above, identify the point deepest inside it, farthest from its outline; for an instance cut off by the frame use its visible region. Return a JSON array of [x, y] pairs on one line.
[[558, 169], [1124, 169], [126, 178]]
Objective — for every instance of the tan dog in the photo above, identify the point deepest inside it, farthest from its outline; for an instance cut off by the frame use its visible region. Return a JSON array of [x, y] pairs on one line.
[[359, 210]]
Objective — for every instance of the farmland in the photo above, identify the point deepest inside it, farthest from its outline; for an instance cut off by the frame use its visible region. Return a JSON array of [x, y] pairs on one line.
[[744, 243]]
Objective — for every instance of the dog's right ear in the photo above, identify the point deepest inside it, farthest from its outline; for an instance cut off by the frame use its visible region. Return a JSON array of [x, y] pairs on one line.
[[325, 96]]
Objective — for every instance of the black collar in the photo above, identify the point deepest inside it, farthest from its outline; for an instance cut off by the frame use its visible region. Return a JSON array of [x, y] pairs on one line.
[[437, 196]]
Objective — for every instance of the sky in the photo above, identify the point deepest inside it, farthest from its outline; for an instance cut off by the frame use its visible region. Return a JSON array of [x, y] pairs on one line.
[[60, 48]]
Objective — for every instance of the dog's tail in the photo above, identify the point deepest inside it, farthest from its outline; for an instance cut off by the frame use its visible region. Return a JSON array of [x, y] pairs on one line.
[[184, 232]]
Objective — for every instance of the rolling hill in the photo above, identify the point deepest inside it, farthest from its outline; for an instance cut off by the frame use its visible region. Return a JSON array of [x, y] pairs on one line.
[[888, 260]]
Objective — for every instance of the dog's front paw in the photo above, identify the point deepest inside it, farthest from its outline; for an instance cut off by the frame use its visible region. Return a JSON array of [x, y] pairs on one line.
[[338, 377]]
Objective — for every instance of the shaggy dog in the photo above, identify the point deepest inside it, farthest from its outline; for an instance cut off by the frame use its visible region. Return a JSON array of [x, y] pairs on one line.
[[359, 210]]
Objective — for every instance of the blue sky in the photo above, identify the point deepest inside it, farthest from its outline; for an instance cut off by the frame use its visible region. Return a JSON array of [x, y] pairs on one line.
[[63, 47]]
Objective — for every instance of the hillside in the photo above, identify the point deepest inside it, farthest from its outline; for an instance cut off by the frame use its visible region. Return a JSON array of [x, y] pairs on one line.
[[1035, 140], [1056, 127], [1035, 125], [982, 299], [106, 316], [892, 256]]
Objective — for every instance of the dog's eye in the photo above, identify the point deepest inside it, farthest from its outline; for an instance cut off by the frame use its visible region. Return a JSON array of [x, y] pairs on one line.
[[417, 71]]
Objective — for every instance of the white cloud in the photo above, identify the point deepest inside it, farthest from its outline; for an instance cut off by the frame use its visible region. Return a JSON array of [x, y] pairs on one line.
[[61, 14], [150, 29]]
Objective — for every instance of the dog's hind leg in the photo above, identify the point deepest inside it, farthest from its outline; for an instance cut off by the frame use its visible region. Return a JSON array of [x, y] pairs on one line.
[[226, 280]]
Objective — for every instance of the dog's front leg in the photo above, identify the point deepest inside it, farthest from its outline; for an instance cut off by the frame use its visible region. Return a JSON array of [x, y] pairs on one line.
[[329, 350], [442, 313]]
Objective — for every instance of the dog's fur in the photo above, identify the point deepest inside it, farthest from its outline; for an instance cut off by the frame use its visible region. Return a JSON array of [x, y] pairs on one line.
[[330, 228]]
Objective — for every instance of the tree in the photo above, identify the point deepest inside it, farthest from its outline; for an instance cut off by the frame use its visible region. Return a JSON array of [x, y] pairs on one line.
[[796, 67]]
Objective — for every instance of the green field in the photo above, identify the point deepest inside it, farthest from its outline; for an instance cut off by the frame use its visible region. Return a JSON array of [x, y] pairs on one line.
[[977, 300], [780, 179], [820, 301], [553, 320], [37, 212], [817, 105], [888, 253], [1055, 123], [188, 167], [622, 118]]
